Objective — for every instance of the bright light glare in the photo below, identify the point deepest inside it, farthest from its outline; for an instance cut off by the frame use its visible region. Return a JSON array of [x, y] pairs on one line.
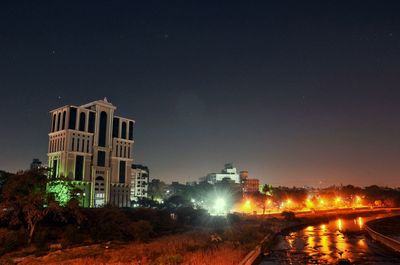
[[220, 204]]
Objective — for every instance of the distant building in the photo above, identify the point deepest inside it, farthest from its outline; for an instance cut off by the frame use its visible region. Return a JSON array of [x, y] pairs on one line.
[[92, 146], [251, 185], [228, 173], [244, 175], [36, 164], [139, 182]]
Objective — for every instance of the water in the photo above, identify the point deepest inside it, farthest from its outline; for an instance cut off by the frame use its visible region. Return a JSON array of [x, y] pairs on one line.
[[329, 242]]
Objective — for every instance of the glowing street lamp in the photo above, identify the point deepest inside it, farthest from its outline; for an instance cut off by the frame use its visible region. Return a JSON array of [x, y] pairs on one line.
[[220, 206]]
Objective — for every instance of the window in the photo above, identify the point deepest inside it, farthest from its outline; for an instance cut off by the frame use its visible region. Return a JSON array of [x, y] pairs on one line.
[[87, 146], [58, 121], [72, 118], [121, 171], [77, 144], [63, 120], [123, 130], [83, 146], [73, 143], [53, 126], [124, 151], [82, 121], [120, 151], [101, 158], [131, 130], [92, 119], [55, 165], [79, 167], [103, 129], [115, 127]]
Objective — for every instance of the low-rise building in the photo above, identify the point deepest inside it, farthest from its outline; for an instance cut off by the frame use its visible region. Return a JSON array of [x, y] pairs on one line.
[[228, 173], [251, 185]]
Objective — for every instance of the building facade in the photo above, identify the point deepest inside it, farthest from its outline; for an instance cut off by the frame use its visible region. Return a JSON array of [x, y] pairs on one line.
[[228, 173], [92, 147], [251, 185], [140, 176]]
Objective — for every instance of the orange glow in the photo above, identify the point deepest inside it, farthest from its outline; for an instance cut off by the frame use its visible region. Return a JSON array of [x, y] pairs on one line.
[[313, 202], [340, 224], [360, 222]]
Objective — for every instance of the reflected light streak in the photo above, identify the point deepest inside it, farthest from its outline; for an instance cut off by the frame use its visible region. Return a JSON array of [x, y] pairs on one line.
[[339, 224], [360, 222]]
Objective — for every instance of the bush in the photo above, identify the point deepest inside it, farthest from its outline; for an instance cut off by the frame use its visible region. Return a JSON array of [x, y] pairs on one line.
[[11, 240], [40, 238], [288, 216], [109, 224], [72, 235], [141, 230]]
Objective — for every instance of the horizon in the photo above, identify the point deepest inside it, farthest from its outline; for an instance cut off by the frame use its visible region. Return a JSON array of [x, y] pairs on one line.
[[295, 93]]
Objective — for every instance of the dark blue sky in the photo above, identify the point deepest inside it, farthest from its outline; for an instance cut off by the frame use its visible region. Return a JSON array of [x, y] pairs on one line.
[[296, 92]]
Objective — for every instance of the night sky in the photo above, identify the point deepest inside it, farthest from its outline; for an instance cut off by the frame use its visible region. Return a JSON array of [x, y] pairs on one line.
[[297, 93]]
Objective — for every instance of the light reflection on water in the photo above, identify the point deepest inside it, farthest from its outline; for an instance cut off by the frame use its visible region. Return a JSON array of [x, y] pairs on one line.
[[327, 243]]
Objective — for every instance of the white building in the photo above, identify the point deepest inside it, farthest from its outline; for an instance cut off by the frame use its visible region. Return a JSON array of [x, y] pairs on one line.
[[139, 182], [229, 172], [92, 146]]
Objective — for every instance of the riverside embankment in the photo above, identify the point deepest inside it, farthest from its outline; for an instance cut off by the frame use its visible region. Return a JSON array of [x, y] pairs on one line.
[[341, 237], [386, 231]]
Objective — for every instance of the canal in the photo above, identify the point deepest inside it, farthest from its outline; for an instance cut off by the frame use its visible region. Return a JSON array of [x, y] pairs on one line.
[[329, 242]]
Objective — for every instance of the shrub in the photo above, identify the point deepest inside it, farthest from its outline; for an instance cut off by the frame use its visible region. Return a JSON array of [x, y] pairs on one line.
[[141, 230], [109, 224], [11, 240], [72, 235], [289, 216]]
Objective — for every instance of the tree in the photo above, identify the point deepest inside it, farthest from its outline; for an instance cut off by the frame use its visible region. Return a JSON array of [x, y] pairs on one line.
[[27, 201], [260, 200], [176, 201]]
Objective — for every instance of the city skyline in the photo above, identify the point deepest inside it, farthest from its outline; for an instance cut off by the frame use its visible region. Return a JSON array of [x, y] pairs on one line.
[[295, 93]]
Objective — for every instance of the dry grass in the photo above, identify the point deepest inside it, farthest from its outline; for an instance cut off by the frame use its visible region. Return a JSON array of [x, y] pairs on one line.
[[192, 248]]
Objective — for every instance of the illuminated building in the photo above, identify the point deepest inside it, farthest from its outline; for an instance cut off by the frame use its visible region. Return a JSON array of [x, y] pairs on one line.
[[139, 182], [244, 175], [251, 185], [92, 146], [228, 173]]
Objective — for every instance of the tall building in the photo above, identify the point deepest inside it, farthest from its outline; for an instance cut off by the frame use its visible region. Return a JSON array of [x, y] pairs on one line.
[[139, 182], [92, 146], [228, 173]]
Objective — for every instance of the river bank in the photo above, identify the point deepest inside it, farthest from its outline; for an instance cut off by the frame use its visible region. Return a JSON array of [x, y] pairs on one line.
[[338, 238], [305, 219], [386, 231]]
